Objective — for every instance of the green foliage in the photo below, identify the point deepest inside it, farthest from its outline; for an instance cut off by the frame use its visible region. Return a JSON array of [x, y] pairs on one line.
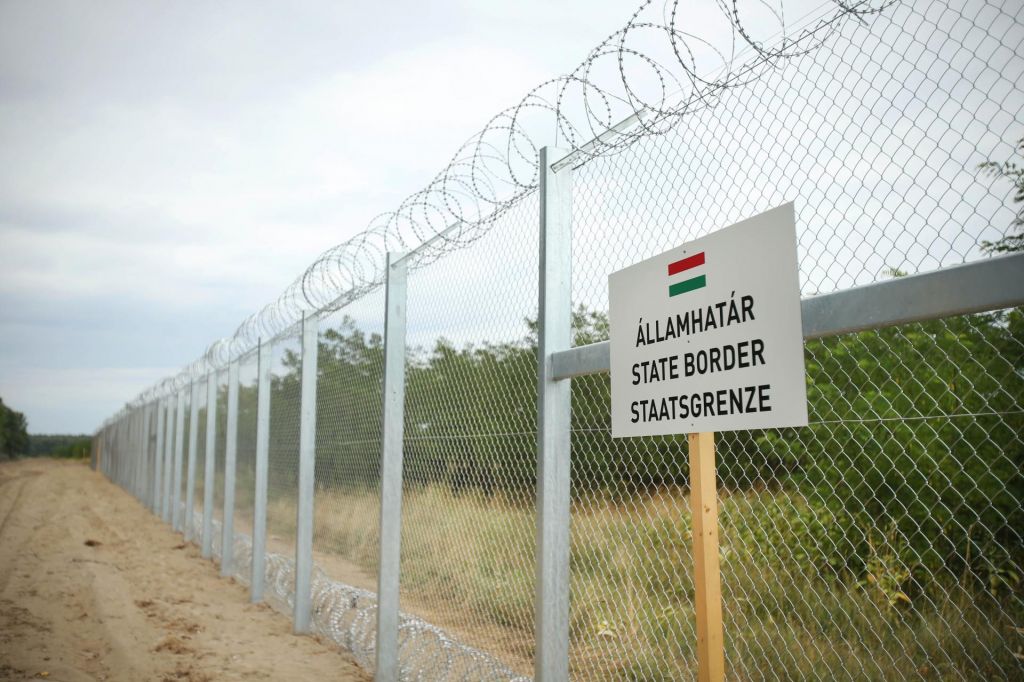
[[1015, 174], [918, 429], [59, 445], [13, 433], [77, 449]]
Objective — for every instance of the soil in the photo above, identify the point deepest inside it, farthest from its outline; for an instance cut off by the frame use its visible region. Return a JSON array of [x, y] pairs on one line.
[[94, 587]]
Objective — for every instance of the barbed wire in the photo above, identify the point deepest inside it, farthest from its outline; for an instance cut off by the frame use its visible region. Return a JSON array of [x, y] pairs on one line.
[[347, 616], [646, 74]]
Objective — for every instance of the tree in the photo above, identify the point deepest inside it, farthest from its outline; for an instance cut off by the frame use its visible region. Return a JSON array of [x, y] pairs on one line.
[[14, 439], [1015, 174]]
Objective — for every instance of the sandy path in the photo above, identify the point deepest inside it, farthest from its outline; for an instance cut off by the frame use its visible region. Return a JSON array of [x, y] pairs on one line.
[[94, 587]]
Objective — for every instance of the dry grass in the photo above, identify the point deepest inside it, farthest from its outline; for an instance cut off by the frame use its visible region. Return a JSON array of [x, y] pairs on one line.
[[468, 560]]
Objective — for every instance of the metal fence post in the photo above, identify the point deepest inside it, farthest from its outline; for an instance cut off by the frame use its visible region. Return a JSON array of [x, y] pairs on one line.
[[140, 451], [158, 457], [105, 450], [118, 458], [168, 460], [126, 448], [554, 410], [144, 486], [154, 460], [227, 545], [190, 481], [130, 451], [392, 433], [135, 451], [209, 470], [179, 451], [259, 522], [307, 461], [128, 445], [111, 450]]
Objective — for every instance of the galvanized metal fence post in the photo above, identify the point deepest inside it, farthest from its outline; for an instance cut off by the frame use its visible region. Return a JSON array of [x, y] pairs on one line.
[[107, 450], [139, 444], [165, 510], [158, 457], [135, 451], [155, 459], [259, 522], [179, 451], [127, 445], [139, 449], [554, 333], [108, 468], [307, 461], [209, 464], [125, 450], [146, 485], [124, 445], [131, 432], [392, 433], [193, 442], [119, 460], [143, 478], [143, 455], [227, 545]]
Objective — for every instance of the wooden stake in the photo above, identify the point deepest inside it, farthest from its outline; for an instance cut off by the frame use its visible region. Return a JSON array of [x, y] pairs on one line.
[[706, 579]]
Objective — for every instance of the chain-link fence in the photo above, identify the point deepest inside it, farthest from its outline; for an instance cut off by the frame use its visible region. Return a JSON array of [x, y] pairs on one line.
[[883, 541]]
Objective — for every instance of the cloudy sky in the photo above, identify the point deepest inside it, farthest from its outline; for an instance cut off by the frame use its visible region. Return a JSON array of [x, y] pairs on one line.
[[167, 168]]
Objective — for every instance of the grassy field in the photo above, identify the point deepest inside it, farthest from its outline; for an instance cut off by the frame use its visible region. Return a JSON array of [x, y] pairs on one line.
[[793, 609]]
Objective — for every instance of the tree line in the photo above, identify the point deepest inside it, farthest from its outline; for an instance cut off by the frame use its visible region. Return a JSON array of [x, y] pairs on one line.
[[14, 440]]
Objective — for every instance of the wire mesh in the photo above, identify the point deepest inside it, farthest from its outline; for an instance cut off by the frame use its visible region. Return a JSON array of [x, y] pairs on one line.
[[183, 514], [351, 368], [245, 465], [872, 544], [882, 541], [220, 451], [152, 460], [470, 431], [347, 474], [283, 463], [200, 465]]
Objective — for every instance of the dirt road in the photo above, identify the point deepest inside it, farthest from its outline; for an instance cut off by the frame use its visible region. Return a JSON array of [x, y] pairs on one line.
[[94, 587]]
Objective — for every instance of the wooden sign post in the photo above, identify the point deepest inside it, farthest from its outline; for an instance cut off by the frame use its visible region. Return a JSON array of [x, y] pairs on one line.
[[706, 577]]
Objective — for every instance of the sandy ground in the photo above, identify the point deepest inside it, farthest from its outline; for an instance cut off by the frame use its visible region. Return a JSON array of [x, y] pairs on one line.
[[94, 587]]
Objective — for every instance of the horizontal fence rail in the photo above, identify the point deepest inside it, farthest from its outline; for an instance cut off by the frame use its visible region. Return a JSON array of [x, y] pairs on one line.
[[978, 287]]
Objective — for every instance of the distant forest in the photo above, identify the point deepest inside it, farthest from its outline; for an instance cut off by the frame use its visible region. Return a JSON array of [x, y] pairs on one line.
[[15, 440], [59, 445]]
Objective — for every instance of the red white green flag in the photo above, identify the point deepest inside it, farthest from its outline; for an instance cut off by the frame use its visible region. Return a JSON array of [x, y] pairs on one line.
[[691, 283]]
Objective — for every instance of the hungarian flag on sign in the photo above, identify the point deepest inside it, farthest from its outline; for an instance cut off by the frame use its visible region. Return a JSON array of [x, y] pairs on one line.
[[690, 283]]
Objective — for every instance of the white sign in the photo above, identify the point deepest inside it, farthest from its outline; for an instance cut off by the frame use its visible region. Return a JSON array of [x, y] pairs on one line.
[[707, 336]]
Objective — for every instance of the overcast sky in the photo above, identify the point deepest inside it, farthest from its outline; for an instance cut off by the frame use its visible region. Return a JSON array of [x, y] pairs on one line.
[[168, 168]]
